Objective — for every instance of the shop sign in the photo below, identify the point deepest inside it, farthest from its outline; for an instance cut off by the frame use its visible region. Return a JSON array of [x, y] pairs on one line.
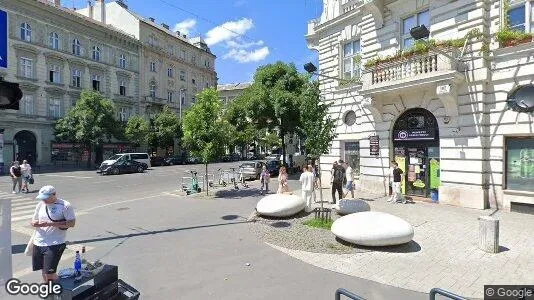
[[3, 39], [374, 145], [414, 134]]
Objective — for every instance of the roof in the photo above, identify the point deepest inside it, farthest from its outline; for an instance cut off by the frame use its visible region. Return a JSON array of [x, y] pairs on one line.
[[233, 86]]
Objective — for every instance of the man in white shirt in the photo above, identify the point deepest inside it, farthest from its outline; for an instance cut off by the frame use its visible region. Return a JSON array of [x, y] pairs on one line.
[[307, 179], [349, 174], [51, 219]]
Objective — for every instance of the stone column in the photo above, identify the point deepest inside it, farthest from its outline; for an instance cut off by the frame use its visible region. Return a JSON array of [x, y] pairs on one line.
[[488, 239]]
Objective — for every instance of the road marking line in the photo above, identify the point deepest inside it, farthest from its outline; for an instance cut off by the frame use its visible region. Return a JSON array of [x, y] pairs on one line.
[[120, 202], [19, 213], [26, 207], [66, 176], [29, 217]]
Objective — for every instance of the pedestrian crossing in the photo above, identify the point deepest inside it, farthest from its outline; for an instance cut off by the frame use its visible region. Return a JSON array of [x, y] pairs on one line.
[[22, 206]]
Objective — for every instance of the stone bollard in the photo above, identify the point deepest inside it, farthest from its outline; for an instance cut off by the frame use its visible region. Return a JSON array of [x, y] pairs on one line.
[[488, 239]]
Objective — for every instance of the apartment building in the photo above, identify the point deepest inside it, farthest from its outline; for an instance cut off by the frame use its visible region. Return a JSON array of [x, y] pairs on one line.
[[173, 68], [456, 115], [54, 53]]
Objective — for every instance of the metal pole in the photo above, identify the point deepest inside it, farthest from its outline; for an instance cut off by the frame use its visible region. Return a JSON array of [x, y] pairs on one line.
[[181, 91]]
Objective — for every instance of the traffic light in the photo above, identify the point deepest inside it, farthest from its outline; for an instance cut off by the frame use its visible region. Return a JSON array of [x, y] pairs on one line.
[[10, 95]]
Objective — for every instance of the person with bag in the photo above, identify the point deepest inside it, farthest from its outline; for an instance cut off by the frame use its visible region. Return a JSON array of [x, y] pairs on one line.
[[52, 218], [26, 175], [16, 176], [338, 176], [264, 178]]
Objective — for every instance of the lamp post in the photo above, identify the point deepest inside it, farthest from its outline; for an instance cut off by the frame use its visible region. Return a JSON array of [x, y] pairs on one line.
[[182, 92]]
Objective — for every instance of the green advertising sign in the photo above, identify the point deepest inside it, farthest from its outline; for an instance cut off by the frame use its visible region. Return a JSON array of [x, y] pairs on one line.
[[434, 174]]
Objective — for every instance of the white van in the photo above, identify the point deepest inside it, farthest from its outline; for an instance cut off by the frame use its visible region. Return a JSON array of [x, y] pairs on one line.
[[139, 157]]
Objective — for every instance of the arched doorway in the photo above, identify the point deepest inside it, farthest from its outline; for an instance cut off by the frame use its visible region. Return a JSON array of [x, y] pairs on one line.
[[25, 147], [416, 149]]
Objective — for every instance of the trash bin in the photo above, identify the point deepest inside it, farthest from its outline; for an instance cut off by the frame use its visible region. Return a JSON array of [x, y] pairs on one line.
[[488, 229], [434, 195]]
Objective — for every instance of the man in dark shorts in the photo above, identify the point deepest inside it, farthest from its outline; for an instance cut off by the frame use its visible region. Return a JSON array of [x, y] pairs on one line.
[[51, 220]]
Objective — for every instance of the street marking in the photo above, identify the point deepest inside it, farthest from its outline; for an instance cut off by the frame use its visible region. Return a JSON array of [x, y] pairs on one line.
[[29, 217], [66, 176], [120, 202]]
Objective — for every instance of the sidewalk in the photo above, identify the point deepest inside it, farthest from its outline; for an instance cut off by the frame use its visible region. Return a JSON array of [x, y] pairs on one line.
[[445, 252]]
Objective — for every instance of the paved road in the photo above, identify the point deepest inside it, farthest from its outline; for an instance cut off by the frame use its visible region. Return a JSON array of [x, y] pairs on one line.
[[174, 247]]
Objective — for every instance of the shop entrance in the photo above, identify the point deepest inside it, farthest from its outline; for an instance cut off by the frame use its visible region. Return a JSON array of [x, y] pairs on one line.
[[416, 149], [25, 147]]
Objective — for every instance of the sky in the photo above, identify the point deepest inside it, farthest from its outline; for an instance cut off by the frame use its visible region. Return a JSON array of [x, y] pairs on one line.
[[243, 34]]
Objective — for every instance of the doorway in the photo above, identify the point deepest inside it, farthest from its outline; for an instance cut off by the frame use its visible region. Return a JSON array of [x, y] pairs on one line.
[[416, 149], [25, 147]]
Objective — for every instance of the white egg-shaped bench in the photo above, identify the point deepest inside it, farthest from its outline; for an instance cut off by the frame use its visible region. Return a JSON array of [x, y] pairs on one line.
[[280, 205], [349, 206], [373, 228]]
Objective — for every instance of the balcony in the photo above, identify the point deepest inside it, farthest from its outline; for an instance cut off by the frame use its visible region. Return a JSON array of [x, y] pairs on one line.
[[407, 73]]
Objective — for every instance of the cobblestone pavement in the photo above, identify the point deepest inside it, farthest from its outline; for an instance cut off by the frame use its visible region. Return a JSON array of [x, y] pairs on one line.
[[444, 251]]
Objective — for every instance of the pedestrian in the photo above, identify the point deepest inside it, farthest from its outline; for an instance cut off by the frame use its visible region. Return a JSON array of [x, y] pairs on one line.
[[349, 175], [26, 170], [390, 178], [16, 176], [265, 176], [282, 181], [52, 217], [337, 181], [307, 179], [397, 192]]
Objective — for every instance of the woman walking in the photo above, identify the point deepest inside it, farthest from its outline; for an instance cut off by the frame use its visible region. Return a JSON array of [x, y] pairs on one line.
[[26, 175], [264, 177], [282, 181], [16, 176]]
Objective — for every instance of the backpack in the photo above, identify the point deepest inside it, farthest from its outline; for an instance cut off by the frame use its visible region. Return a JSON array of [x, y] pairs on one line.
[[338, 175]]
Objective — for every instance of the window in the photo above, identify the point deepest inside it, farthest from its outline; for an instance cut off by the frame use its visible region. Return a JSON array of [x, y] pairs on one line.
[[26, 67], [124, 114], [25, 32], [169, 96], [193, 81], [96, 83], [350, 118], [153, 66], [28, 104], [76, 78], [54, 74], [207, 63], [122, 61], [76, 47], [182, 97], [54, 41], [421, 18], [54, 108], [351, 60], [122, 88], [520, 163], [516, 18], [96, 53], [182, 56], [193, 96], [352, 156], [194, 59], [171, 50], [182, 75], [170, 72], [153, 90]]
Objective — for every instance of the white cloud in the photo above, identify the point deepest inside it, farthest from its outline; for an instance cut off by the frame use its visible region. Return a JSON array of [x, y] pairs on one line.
[[243, 45], [244, 56], [228, 31], [185, 26], [239, 3]]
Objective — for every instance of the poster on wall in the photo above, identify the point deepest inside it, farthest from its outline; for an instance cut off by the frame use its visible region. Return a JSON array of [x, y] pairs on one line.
[[374, 145], [520, 164], [434, 174]]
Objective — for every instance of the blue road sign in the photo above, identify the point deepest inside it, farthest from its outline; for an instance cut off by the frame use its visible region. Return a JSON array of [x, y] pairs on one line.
[[3, 39]]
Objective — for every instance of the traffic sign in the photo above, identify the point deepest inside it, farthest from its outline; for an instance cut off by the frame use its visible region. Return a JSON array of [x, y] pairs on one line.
[[3, 39]]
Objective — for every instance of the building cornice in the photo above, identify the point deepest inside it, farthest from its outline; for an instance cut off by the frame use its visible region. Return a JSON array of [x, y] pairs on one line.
[[26, 47]]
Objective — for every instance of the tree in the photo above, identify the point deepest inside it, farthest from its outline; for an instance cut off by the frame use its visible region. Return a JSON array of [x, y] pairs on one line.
[[205, 130], [243, 132], [275, 98], [91, 122], [166, 128], [318, 128], [270, 140], [137, 130]]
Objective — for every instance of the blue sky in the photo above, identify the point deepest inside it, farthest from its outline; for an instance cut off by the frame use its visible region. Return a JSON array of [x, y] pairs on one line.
[[270, 30]]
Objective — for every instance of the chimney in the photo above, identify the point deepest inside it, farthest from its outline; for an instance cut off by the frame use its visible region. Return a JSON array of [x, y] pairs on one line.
[[165, 25], [185, 36], [177, 32], [152, 19], [101, 11], [90, 9], [57, 3]]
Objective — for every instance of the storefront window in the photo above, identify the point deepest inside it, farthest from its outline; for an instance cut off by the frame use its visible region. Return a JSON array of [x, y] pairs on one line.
[[520, 163], [352, 156]]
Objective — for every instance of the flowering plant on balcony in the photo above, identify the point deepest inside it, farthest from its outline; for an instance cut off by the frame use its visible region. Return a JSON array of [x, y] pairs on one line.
[[508, 38]]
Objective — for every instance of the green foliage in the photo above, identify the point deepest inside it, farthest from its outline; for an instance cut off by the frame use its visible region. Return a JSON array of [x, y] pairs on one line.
[[205, 130], [319, 223], [269, 140], [507, 37], [243, 131], [137, 130], [317, 126], [166, 127]]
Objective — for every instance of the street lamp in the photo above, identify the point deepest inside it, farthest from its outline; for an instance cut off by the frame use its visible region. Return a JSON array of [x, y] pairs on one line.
[[311, 69], [421, 33]]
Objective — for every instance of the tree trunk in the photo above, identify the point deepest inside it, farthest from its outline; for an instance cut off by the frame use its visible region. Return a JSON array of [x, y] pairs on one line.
[[318, 163], [206, 179]]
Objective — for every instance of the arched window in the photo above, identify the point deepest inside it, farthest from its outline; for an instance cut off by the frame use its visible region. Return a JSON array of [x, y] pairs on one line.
[[25, 32], [122, 61], [96, 53], [153, 89], [54, 40], [76, 47]]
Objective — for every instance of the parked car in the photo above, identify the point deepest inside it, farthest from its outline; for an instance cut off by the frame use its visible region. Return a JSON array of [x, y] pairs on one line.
[[139, 157], [273, 166], [175, 160], [251, 170], [158, 161], [193, 160], [124, 166]]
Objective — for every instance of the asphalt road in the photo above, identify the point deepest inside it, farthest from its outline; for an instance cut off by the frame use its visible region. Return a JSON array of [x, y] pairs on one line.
[[171, 246]]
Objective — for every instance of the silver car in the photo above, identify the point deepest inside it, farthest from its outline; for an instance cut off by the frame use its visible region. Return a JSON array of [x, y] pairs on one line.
[[251, 169]]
